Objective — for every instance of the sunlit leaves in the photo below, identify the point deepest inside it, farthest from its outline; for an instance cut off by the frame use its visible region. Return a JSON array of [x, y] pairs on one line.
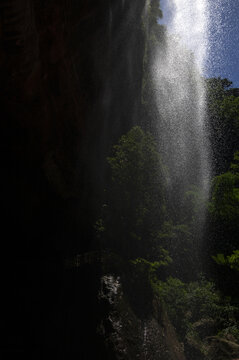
[[231, 260]]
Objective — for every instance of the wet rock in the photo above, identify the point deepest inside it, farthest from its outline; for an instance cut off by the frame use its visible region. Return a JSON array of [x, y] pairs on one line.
[[127, 336], [222, 349]]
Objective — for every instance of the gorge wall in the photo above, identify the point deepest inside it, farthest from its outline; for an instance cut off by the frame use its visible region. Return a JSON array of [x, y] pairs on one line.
[[59, 67], [70, 74], [71, 79]]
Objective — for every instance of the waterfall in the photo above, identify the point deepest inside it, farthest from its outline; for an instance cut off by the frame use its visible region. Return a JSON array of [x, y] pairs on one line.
[[180, 97]]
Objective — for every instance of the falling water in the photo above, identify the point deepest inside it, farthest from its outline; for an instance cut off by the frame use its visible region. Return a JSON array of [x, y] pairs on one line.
[[177, 70]]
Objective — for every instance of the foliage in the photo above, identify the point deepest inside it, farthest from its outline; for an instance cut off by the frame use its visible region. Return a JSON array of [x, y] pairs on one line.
[[228, 109], [135, 205], [231, 260], [155, 30], [224, 205], [134, 222], [141, 282], [164, 260], [183, 236], [224, 209], [178, 241], [189, 304], [154, 12], [217, 88], [223, 113], [231, 330], [135, 160], [235, 165], [151, 268]]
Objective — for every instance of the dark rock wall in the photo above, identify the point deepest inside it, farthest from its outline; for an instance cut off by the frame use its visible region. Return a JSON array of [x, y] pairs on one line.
[[70, 85], [129, 336]]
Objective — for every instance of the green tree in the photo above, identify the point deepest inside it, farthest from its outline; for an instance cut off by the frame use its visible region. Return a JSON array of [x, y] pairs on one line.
[[217, 88], [224, 206], [135, 206], [223, 111], [154, 14], [231, 260], [224, 209], [197, 309], [224, 229]]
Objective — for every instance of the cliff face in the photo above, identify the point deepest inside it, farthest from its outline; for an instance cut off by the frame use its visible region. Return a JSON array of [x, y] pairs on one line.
[[70, 85], [44, 109], [128, 336], [70, 75]]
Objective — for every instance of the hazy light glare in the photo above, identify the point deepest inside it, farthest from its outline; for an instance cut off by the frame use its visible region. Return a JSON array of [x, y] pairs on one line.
[[180, 94], [189, 22]]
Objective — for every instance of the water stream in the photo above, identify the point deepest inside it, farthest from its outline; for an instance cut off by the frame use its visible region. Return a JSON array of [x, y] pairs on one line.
[[177, 73]]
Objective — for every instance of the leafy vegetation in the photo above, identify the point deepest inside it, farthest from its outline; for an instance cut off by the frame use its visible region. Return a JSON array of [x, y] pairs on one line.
[[223, 111], [231, 260], [135, 204], [224, 212], [138, 224]]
